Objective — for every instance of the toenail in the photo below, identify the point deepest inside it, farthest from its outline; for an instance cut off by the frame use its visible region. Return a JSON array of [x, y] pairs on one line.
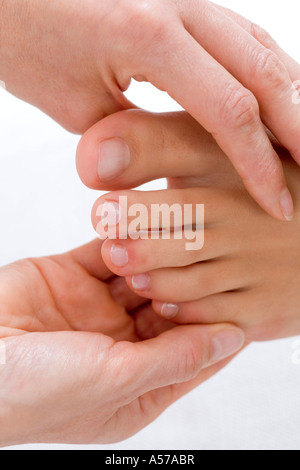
[[119, 255], [114, 158], [169, 311], [141, 282]]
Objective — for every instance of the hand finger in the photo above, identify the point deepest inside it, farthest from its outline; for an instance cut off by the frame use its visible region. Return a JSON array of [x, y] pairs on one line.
[[130, 148], [266, 40], [231, 113], [177, 356], [165, 396], [156, 401], [256, 67]]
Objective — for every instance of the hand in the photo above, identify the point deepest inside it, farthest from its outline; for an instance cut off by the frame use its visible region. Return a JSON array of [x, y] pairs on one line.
[[76, 59], [248, 271], [64, 380]]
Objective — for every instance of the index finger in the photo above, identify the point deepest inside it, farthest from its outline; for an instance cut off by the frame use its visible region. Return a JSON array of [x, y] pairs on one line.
[[230, 113]]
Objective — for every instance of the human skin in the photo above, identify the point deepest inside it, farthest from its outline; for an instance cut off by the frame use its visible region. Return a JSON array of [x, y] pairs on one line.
[[87, 361], [74, 59], [248, 270]]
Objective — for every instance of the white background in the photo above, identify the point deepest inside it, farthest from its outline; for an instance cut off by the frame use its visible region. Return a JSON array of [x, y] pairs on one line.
[[253, 404]]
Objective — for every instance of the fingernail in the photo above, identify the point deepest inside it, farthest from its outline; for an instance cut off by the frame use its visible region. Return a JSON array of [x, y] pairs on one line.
[[287, 205], [114, 158], [226, 343], [119, 256], [141, 282], [169, 311]]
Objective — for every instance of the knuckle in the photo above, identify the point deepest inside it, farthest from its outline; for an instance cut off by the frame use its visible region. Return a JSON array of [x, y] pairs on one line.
[[145, 38], [239, 108], [268, 68], [144, 19], [193, 362], [261, 35]]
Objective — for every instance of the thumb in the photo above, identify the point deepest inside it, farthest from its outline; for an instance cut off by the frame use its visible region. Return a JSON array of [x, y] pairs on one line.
[[178, 355]]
